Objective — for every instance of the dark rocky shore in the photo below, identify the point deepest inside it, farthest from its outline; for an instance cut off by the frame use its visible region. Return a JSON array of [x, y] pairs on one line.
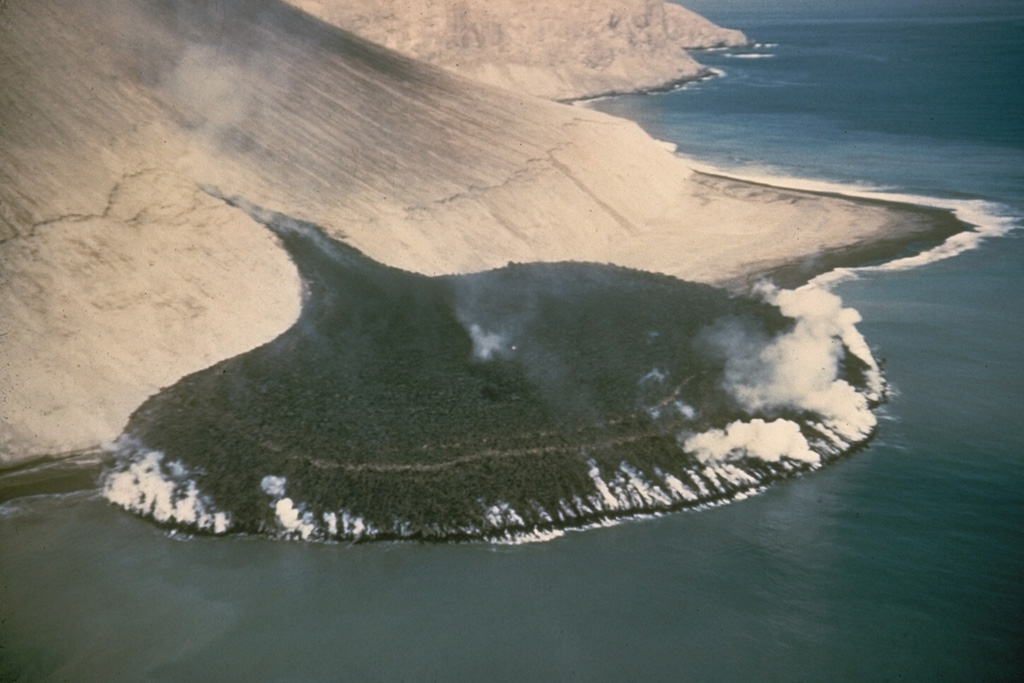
[[531, 397]]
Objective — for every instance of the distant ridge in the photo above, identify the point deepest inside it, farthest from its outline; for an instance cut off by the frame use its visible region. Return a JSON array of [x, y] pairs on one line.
[[555, 50]]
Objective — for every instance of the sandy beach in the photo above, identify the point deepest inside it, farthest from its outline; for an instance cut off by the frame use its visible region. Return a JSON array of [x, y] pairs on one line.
[[120, 273]]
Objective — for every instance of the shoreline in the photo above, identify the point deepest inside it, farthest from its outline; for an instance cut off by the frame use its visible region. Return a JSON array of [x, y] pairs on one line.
[[112, 239], [79, 470], [474, 440], [53, 475], [932, 225], [705, 74]]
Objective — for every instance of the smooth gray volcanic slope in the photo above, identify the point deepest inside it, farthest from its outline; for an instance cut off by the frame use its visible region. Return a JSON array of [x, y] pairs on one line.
[[120, 274]]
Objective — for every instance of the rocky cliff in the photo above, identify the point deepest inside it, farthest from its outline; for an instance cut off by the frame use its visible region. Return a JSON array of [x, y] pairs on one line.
[[555, 50]]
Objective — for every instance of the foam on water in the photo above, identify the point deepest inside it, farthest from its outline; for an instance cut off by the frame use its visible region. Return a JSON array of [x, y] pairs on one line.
[[27, 505]]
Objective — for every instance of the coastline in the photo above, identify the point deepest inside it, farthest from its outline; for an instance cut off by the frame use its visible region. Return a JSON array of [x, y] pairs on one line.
[[450, 178], [922, 228], [671, 85], [80, 470], [896, 557], [53, 475]]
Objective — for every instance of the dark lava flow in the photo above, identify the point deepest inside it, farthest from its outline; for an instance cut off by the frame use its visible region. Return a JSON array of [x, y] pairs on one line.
[[401, 405]]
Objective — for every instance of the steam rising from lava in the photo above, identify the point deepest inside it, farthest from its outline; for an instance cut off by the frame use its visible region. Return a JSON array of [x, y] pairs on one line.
[[515, 402]]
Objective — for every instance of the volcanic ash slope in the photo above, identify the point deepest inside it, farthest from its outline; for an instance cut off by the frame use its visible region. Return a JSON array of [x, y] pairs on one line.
[[120, 274]]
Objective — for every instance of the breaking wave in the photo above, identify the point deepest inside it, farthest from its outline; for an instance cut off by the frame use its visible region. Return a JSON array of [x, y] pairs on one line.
[[749, 55]]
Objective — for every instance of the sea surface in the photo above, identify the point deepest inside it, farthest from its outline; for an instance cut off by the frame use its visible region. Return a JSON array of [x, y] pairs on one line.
[[904, 561]]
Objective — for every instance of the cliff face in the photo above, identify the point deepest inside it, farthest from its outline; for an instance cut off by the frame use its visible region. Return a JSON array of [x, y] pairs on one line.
[[555, 50]]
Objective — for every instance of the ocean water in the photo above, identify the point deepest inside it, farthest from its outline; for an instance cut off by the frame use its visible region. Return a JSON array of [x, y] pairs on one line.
[[904, 561]]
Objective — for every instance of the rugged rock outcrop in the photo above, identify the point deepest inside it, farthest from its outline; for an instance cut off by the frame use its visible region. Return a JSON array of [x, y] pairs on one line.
[[555, 50]]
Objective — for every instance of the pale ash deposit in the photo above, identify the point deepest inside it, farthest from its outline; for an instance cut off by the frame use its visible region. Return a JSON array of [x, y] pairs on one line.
[[555, 50]]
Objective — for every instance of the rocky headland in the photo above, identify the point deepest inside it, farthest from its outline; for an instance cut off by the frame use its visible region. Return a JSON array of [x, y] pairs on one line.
[[559, 51]]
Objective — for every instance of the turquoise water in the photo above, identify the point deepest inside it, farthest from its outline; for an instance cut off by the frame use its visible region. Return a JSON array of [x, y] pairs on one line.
[[903, 562]]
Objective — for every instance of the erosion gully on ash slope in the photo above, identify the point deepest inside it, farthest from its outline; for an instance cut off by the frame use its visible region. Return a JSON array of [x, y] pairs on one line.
[[506, 404]]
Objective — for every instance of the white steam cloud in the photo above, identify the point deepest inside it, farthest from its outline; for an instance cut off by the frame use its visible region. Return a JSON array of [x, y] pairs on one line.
[[799, 370], [165, 492], [273, 486], [486, 345], [296, 520], [769, 441]]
